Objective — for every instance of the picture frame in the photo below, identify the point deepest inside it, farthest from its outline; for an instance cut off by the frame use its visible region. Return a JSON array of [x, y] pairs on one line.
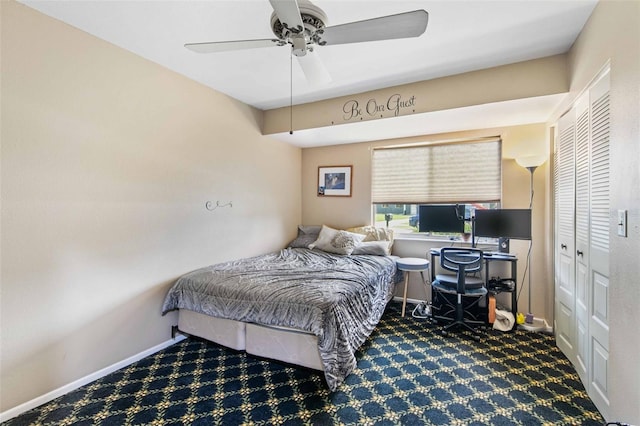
[[334, 181]]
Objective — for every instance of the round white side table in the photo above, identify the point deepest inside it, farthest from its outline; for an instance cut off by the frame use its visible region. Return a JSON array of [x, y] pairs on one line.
[[407, 265]]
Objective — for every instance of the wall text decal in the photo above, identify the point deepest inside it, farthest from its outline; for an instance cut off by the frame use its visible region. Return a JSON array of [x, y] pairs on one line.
[[352, 108]]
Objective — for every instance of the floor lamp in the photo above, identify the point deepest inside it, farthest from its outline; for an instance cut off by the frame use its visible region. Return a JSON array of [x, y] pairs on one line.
[[531, 163]]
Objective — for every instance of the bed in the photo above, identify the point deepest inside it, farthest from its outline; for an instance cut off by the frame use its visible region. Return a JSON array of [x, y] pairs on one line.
[[303, 306]]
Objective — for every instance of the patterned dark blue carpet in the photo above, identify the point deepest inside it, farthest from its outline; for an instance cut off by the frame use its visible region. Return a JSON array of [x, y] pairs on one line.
[[407, 374]]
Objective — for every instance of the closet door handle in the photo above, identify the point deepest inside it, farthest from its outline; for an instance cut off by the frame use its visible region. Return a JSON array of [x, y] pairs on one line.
[[563, 246], [580, 253]]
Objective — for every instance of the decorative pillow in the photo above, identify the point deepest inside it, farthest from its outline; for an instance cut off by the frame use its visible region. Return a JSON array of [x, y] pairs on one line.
[[376, 248], [335, 241], [372, 233], [307, 234]]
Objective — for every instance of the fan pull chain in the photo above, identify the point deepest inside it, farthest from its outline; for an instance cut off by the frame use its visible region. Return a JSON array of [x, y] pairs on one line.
[[291, 93]]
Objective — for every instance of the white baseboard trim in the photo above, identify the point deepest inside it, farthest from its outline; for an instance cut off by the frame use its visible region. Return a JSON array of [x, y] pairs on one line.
[[414, 301], [539, 325], [23, 408]]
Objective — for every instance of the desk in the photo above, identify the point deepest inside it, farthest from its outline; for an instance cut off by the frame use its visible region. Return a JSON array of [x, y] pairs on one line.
[[489, 259]]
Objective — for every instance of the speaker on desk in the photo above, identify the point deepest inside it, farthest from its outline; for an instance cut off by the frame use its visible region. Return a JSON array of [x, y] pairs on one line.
[[503, 245]]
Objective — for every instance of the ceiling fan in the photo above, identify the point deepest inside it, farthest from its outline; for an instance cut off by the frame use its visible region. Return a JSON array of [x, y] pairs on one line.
[[302, 25]]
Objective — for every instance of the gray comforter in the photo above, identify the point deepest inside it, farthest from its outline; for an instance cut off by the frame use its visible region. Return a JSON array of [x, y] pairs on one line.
[[340, 299]]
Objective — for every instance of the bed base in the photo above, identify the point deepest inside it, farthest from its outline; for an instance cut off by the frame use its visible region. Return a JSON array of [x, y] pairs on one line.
[[278, 343]]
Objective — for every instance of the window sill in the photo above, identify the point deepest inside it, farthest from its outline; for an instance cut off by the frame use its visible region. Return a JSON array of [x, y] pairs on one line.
[[421, 237]]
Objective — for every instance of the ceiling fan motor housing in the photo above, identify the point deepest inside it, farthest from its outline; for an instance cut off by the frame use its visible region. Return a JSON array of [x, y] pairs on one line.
[[301, 39]]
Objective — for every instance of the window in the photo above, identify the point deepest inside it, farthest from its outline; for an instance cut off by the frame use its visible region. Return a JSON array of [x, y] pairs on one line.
[[467, 172], [403, 218]]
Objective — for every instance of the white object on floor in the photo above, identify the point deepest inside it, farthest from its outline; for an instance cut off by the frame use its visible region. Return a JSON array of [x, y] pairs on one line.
[[504, 320]]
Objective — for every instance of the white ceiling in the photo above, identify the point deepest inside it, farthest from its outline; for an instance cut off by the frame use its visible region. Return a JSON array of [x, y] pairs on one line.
[[461, 36]]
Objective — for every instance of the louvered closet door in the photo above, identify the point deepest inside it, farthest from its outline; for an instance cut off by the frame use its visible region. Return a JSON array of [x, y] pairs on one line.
[[598, 387], [565, 267], [582, 219], [581, 308]]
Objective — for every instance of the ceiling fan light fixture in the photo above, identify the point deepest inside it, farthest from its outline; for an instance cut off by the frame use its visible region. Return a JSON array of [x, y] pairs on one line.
[[313, 19], [298, 45]]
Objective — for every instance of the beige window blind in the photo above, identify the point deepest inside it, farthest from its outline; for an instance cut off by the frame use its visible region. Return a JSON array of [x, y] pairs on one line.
[[453, 172]]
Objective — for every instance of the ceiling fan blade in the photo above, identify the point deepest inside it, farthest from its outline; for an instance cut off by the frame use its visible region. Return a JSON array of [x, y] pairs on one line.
[[402, 25], [223, 46], [314, 69], [288, 13]]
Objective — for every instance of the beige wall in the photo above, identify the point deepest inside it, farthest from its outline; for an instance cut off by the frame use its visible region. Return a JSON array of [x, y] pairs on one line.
[[107, 163], [613, 34], [357, 210], [538, 77]]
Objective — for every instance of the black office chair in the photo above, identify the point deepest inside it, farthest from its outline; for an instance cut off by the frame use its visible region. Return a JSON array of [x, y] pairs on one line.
[[465, 284]]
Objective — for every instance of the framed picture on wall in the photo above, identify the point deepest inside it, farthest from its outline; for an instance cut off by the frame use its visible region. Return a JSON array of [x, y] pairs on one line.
[[334, 181]]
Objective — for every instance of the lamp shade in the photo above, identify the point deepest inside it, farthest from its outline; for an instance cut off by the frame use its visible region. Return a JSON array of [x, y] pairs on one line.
[[531, 161]]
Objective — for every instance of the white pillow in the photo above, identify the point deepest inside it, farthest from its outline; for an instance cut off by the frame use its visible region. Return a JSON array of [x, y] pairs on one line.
[[376, 248], [335, 241], [372, 233]]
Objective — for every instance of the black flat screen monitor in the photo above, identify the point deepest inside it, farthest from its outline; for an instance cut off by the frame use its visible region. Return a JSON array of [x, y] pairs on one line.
[[447, 218], [503, 223]]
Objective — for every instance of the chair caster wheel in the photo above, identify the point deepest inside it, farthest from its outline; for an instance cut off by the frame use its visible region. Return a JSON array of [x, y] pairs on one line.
[[476, 338], [444, 333]]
